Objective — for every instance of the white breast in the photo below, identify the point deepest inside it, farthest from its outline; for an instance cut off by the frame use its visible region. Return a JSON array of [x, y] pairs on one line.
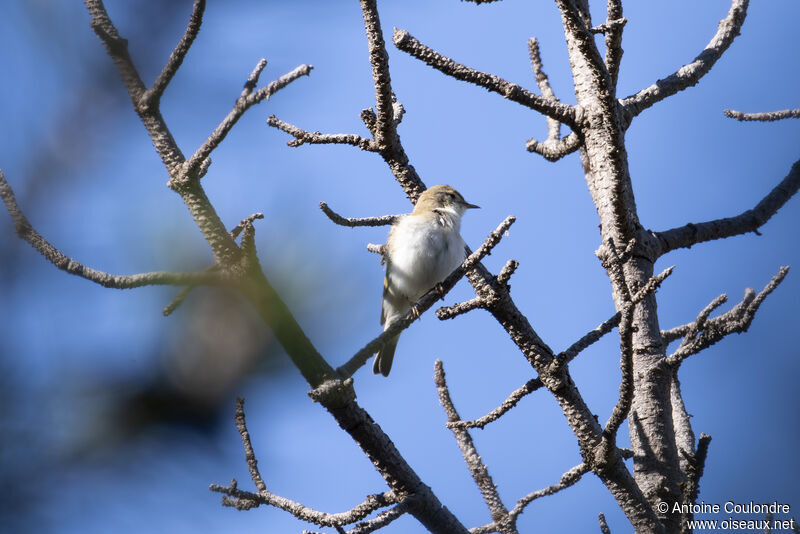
[[424, 252]]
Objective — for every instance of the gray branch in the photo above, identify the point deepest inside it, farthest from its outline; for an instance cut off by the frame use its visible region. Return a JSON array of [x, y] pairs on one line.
[[549, 107], [246, 100], [352, 222], [302, 137], [179, 53], [567, 479], [525, 389], [763, 117], [704, 332], [603, 524], [244, 500], [480, 474], [689, 75], [554, 147], [748, 221], [27, 232]]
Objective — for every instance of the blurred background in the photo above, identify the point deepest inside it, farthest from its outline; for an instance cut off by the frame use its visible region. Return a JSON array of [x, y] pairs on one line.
[[115, 419]]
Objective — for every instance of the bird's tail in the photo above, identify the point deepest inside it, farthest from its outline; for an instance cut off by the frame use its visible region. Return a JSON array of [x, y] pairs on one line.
[[385, 356]]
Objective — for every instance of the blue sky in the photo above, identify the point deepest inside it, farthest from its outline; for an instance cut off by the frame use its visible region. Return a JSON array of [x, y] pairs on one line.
[[89, 180]]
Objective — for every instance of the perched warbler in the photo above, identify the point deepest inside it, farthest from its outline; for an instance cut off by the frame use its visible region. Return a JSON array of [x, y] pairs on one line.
[[423, 248]]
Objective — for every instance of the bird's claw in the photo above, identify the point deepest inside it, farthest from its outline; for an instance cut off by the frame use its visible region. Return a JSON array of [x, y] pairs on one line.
[[440, 289]]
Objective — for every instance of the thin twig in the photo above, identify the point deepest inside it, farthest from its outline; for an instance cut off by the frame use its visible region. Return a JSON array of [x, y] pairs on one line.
[[549, 107], [480, 474], [506, 272], [178, 54], [383, 518], [245, 101], [451, 312], [567, 479], [553, 126], [587, 340], [26, 231], [245, 500], [302, 137], [250, 456], [525, 389], [555, 150], [689, 75], [705, 332], [352, 222], [763, 117], [603, 524]]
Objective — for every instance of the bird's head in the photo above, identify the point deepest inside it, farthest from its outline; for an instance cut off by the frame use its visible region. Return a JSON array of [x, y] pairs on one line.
[[442, 198]]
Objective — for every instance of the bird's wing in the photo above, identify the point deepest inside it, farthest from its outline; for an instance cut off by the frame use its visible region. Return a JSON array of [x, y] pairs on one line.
[[394, 302]]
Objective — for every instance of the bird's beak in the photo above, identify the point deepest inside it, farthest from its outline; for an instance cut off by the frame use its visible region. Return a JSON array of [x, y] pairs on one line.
[[467, 205]]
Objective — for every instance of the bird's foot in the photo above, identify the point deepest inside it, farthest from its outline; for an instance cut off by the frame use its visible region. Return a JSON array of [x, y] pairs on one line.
[[440, 289]]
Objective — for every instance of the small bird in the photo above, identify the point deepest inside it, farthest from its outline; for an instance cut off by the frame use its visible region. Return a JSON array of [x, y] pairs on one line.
[[423, 248]]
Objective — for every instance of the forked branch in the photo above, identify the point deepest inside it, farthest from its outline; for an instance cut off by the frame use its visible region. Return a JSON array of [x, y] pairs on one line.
[[511, 401], [549, 107], [554, 147], [704, 332], [245, 500]]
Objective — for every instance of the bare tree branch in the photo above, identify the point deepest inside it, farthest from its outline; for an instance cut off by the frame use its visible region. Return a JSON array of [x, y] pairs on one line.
[[553, 126], [451, 312], [588, 340], [249, 455], [689, 75], [698, 464], [26, 231], [352, 222], [302, 137], [603, 524], [555, 150], [748, 221], [480, 474], [245, 101], [225, 250], [424, 303], [178, 299], [178, 54], [615, 24], [549, 107], [525, 389], [623, 406], [383, 518], [246, 500], [567, 479], [705, 332], [379, 60], [763, 117], [506, 272]]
